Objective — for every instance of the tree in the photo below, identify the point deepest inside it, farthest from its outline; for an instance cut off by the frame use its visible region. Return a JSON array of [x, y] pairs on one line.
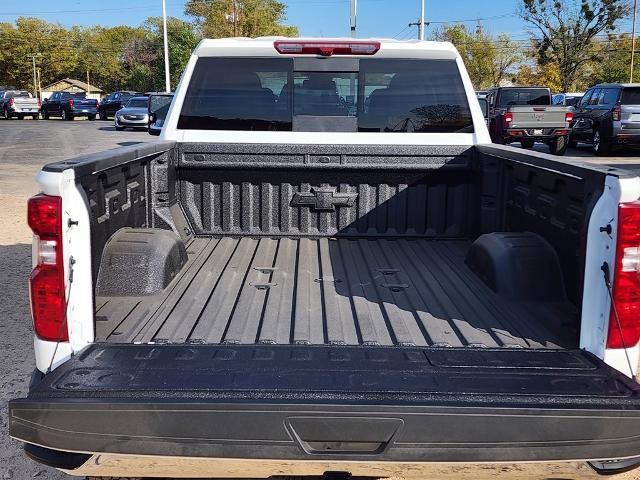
[[564, 31], [182, 40], [488, 60], [614, 55], [246, 18]]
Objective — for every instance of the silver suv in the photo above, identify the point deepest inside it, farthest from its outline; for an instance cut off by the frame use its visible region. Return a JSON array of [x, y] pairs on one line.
[[608, 117]]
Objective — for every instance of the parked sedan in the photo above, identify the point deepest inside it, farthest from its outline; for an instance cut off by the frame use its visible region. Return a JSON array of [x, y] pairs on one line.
[[135, 114]]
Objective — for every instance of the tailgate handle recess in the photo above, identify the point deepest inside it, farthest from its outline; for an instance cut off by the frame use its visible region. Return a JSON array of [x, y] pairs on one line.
[[344, 435]]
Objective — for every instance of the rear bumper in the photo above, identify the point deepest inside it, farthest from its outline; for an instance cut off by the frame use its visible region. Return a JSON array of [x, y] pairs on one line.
[[547, 134], [24, 111], [334, 403], [625, 138], [82, 112]]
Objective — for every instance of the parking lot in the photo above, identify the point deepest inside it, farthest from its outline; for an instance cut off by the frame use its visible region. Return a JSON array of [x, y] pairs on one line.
[[25, 146]]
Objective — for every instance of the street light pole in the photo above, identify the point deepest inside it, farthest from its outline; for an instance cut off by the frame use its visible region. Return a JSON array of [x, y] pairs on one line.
[[167, 77], [633, 39], [421, 26], [354, 12]]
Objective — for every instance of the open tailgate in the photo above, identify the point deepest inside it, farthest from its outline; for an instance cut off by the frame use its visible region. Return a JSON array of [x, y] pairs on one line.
[[334, 402]]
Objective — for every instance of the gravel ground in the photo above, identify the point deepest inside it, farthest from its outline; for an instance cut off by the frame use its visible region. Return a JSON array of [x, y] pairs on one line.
[[24, 147]]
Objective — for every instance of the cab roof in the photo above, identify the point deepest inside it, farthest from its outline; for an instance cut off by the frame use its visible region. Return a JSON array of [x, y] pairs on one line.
[[264, 47]]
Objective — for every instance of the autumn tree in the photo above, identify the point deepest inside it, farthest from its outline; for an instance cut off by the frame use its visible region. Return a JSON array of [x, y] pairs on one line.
[[234, 18], [614, 54], [489, 60], [563, 31]]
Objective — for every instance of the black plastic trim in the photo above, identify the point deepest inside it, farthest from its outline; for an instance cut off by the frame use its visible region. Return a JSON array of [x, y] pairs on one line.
[[263, 401], [97, 162], [56, 458]]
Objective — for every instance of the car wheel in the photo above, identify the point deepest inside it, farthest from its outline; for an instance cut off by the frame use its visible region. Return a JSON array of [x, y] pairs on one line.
[[559, 145], [600, 146], [63, 115], [103, 115], [91, 118], [44, 114], [527, 143], [35, 117], [5, 114], [20, 117]]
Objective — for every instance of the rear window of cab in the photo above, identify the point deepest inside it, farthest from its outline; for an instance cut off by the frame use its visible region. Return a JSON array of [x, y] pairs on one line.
[[266, 94]]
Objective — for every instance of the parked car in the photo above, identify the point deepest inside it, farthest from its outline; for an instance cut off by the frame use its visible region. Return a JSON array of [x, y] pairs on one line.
[[113, 102], [525, 115], [134, 114], [68, 105], [18, 104], [285, 280], [567, 99], [608, 117]]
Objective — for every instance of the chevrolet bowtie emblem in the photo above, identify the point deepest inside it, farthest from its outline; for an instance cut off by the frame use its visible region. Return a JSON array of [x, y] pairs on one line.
[[323, 199]]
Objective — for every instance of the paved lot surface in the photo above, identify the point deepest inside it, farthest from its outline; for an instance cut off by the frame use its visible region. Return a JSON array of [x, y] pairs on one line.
[[24, 147]]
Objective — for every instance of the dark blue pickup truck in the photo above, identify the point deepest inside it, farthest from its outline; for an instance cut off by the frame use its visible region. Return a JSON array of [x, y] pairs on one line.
[[68, 105]]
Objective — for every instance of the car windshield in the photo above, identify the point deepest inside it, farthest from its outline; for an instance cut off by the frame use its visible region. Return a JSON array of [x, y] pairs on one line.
[[630, 96], [383, 96], [523, 96], [137, 103]]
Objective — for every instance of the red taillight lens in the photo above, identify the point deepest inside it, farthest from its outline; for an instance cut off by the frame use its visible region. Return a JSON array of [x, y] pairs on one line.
[[327, 49], [70, 102], [11, 102], [626, 280], [39, 103], [616, 113], [568, 117], [508, 117], [46, 283]]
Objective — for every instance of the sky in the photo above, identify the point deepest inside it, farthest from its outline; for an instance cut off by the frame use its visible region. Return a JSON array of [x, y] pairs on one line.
[[376, 18]]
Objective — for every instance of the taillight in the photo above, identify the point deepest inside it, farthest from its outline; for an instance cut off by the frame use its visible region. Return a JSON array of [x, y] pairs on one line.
[[39, 103], [46, 283], [70, 103], [97, 103], [568, 117], [508, 117], [11, 102], [327, 49], [616, 113], [624, 331]]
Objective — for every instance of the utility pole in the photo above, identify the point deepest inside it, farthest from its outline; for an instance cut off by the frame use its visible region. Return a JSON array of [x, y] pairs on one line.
[[354, 11], [35, 80], [235, 18], [633, 39], [167, 77], [88, 85]]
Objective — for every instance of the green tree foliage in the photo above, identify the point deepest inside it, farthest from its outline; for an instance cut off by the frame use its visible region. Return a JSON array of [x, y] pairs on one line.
[[564, 31], [240, 18], [116, 58], [614, 65], [182, 40], [489, 60]]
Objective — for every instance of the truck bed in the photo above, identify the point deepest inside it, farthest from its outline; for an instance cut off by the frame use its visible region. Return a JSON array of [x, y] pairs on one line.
[[332, 291]]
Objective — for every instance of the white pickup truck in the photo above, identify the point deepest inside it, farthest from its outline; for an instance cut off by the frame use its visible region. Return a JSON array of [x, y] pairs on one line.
[[18, 104], [324, 265]]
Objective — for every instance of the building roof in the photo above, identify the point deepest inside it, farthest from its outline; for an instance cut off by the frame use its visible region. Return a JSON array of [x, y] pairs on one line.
[[75, 83]]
